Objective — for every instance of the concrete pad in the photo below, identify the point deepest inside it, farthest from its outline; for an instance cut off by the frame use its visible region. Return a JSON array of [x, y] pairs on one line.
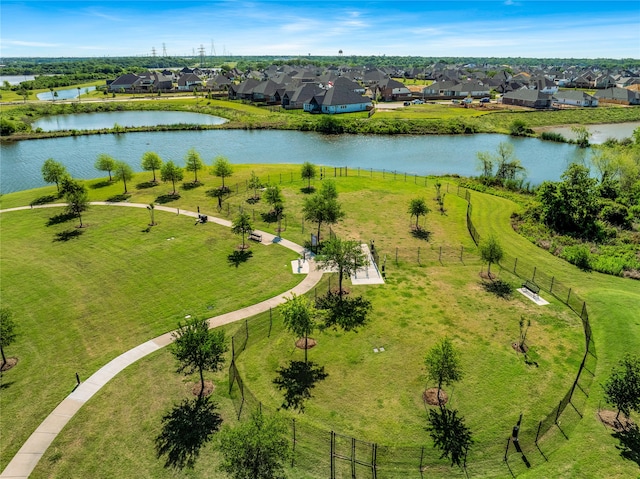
[[533, 297]]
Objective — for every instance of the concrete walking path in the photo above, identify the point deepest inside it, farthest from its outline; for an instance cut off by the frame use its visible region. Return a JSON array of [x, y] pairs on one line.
[[26, 459]]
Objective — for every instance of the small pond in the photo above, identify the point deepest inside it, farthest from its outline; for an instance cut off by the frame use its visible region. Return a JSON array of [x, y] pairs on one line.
[[66, 94], [96, 121], [600, 133]]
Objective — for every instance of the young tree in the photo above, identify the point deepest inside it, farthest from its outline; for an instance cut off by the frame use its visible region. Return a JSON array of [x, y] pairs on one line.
[[171, 172], [76, 195], [491, 252], [443, 364], [449, 434], [253, 184], [273, 197], [7, 332], [198, 349], [582, 135], [151, 161], [486, 161], [308, 172], [105, 163], [53, 172], [222, 168], [242, 225], [255, 449], [345, 255], [418, 208], [193, 162], [300, 317], [122, 171], [622, 388], [322, 208]]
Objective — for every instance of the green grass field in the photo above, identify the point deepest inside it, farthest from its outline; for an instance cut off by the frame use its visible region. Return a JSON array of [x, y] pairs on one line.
[[79, 303]]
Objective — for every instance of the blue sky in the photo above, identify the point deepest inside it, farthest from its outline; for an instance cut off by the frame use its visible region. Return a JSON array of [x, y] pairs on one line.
[[524, 28]]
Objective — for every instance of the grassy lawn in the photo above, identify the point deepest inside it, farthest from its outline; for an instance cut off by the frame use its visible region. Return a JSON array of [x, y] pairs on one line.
[[374, 397], [431, 111], [79, 303]]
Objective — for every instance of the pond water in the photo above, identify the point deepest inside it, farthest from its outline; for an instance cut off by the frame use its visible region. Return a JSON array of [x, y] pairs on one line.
[[21, 162], [600, 133], [15, 79], [95, 121], [66, 94]]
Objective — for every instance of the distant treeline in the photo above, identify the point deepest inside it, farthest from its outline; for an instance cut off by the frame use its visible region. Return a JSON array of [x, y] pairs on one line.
[[110, 67]]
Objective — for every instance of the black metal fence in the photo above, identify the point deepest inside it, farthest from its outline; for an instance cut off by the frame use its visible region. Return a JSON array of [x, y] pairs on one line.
[[341, 456]]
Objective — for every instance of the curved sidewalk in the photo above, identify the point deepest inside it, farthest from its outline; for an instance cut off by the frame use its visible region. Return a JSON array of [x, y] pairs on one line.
[[26, 459]]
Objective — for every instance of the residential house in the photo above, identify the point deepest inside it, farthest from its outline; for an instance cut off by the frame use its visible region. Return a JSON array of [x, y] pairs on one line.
[[529, 98], [242, 91], [574, 98], [189, 82], [621, 96], [337, 100], [392, 90]]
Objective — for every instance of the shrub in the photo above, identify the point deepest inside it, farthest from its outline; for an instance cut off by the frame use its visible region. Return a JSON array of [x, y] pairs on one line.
[[578, 255], [551, 136], [617, 215]]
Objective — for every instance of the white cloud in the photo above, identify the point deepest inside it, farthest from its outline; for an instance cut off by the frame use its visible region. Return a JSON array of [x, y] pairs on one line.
[[22, 43]]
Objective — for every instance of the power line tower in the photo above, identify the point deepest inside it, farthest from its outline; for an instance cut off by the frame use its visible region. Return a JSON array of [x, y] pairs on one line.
[[153, 52], [201, 51], [164, 49]]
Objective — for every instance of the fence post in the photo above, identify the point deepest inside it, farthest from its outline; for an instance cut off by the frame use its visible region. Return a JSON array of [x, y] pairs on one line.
[[233, 349], [552, 281], [538, 433], [270, 322], [396, 256], [421, 457], [507, 449], [558, 413], [584, 309], [533, 278], [346, 171], [515, 266], [568, 296], [353, 458], [333, 456]]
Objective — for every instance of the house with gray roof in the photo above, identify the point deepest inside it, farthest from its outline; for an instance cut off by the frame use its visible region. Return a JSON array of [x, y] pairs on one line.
[[337, 100], [622, 96], [574, 98], [529, 98]]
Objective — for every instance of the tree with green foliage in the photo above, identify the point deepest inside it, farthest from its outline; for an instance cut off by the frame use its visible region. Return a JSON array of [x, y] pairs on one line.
[[486, 162], [241, 226], [76, 195], [253, 184], [171, 172], [344, 255], [273, 197], [443, 364], [7, 332], [508, 166], [491, 252], [622, 388], [300, 317], [122, 171], [323, 207], [197, 348], [193, 162], [222, 168], [53, 172], [418, 207], [582, 135], [519, 128], [257, 448], [151, 161], [308, 172], [450, 434], [105, 163], [572, 205]]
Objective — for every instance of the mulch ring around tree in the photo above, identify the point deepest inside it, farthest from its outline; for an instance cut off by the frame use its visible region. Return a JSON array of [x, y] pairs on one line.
[[11, 362], [520, 348], [608, 418], [300, 343], [485, 275], [430, 396], [208, 388]]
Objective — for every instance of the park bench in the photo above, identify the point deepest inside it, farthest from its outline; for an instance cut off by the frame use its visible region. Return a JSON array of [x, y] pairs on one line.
[[202, 218], [255, 237], [531, 286]]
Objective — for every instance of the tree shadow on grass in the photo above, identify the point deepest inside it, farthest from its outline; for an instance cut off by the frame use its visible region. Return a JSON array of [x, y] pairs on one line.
[[146, 184], [269, 217], [421, 234], [67, 235], [297, 380], [100, 184], [61, 218], [43, 200], [190, 185], [185, 429], [629, 443], [162, 199], [240, 256], [118, 198], [307, 190]]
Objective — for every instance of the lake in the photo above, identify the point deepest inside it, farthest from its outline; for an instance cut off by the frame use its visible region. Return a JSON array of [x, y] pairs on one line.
[[96, 121], [600, 133], [21, 162]]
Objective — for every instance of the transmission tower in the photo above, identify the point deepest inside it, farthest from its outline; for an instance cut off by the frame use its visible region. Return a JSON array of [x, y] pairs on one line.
[[153, 52], [201, 51], [164, 49]]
